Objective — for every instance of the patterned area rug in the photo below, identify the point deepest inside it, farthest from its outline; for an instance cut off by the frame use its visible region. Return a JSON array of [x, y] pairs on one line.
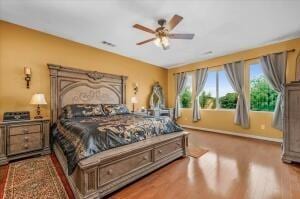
[[40, 177]]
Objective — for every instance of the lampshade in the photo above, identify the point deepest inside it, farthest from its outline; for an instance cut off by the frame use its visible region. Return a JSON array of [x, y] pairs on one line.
[[38, 98], [27, 70], [134, 100]]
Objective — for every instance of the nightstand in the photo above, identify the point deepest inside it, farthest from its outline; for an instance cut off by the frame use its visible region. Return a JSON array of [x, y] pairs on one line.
[[19, 139], [162, 112], [144, 113]]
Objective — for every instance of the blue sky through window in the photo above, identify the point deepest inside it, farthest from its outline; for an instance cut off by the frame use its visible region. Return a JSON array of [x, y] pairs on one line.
[[224, 84], [255, 71], [210, 85]]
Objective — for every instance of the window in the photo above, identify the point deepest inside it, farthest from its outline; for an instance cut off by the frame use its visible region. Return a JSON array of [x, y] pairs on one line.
[[227, 96], [207, 98], [186, 95], [217, 92], [262, 96]]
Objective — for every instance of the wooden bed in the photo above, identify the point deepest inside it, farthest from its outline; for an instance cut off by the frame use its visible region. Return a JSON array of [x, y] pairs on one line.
[[108, 171]]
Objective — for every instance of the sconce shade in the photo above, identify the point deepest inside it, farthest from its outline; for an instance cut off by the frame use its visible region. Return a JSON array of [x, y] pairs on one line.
[[27, 70], [134, 100], [38, 98]]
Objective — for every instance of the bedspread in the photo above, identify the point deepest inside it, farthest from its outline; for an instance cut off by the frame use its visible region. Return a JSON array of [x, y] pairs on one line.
[[83, 137]]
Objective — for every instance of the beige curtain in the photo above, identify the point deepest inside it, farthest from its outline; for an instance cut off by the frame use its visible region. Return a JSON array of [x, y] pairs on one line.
[[235, 75], [200, 79], [274, 67], [180, 80]]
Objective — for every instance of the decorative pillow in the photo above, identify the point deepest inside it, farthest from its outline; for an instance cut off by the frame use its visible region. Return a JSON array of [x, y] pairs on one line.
[[115, 109], [83, 110]]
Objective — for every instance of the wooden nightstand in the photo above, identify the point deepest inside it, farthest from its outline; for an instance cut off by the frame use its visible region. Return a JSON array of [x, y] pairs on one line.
[[19, 139], [144, 113], [162, 112]]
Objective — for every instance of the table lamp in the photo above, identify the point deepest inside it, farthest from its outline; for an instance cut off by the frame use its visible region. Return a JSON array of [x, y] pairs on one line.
[[133, 101], [38, 99]]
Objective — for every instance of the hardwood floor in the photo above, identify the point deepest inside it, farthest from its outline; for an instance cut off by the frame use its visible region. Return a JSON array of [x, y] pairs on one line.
[[233, 168]]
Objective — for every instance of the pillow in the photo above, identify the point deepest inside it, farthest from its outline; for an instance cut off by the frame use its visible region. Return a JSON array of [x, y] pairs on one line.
[[115, 109], [82, 110]]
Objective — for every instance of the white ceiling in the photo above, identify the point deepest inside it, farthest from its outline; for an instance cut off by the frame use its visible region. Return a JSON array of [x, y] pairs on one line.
[[223, 26]]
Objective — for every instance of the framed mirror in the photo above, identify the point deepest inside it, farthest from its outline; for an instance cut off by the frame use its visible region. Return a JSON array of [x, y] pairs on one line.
[[298, 67]]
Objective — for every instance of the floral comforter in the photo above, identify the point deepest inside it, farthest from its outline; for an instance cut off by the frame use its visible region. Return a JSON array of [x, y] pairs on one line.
[[83, 137]]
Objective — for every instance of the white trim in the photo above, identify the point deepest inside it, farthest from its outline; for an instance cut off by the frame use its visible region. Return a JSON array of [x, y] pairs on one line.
[[235, 134]]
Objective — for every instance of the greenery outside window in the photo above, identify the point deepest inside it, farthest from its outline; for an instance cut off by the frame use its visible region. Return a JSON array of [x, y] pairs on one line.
[[217, 92], [262, 96], [227, 96], [186, 95]]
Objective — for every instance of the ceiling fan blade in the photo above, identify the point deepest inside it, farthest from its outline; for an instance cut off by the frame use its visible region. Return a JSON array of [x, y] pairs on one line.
[[181, 36], [146, 41], [173, 22], [143, 28]]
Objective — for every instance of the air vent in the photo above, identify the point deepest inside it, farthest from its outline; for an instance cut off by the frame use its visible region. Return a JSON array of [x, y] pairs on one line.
[[108, 44], [207, 53]]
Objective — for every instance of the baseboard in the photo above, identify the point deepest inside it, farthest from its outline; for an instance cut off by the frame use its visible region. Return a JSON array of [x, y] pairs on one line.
[[234, 133]]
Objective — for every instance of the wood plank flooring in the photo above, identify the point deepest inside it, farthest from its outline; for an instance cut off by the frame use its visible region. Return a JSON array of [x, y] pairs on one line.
[[233, 168]]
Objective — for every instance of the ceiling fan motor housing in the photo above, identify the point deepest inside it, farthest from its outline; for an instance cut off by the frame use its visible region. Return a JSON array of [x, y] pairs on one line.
[[161, 22]]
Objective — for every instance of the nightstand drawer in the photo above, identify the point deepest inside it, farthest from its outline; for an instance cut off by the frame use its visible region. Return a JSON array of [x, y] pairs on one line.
[[24, 143], [32, 128], [19, 139], [24, 147]]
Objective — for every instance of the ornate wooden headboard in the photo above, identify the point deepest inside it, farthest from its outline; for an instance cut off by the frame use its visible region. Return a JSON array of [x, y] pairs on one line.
[[76, 86]]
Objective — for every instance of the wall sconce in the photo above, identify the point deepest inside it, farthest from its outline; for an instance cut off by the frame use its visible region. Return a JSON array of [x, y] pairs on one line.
[[27, 72], [135, 88]]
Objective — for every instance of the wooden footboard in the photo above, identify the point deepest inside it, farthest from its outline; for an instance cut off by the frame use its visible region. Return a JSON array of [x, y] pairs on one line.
[[108, 171]]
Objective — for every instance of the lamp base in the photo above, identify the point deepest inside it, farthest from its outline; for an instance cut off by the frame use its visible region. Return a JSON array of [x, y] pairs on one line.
[[38, 117], [38, 113]]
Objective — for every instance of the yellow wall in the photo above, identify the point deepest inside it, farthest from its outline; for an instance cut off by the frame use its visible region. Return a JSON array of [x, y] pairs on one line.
[[21, 47], [223, 119]]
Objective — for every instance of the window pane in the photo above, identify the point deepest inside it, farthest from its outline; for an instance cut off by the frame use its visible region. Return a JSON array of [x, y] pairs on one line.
[[227, 96], [262, 96], [186, 95], [207, 98]]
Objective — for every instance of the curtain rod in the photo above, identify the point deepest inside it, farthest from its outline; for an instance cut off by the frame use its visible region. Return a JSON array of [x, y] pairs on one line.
[[291, 50]]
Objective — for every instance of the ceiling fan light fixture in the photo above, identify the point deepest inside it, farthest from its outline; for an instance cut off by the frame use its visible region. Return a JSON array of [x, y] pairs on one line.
[[162, 34], [162, 42]]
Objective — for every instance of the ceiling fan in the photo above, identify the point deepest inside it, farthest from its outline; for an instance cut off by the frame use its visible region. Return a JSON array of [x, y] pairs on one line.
[[162, 33]]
